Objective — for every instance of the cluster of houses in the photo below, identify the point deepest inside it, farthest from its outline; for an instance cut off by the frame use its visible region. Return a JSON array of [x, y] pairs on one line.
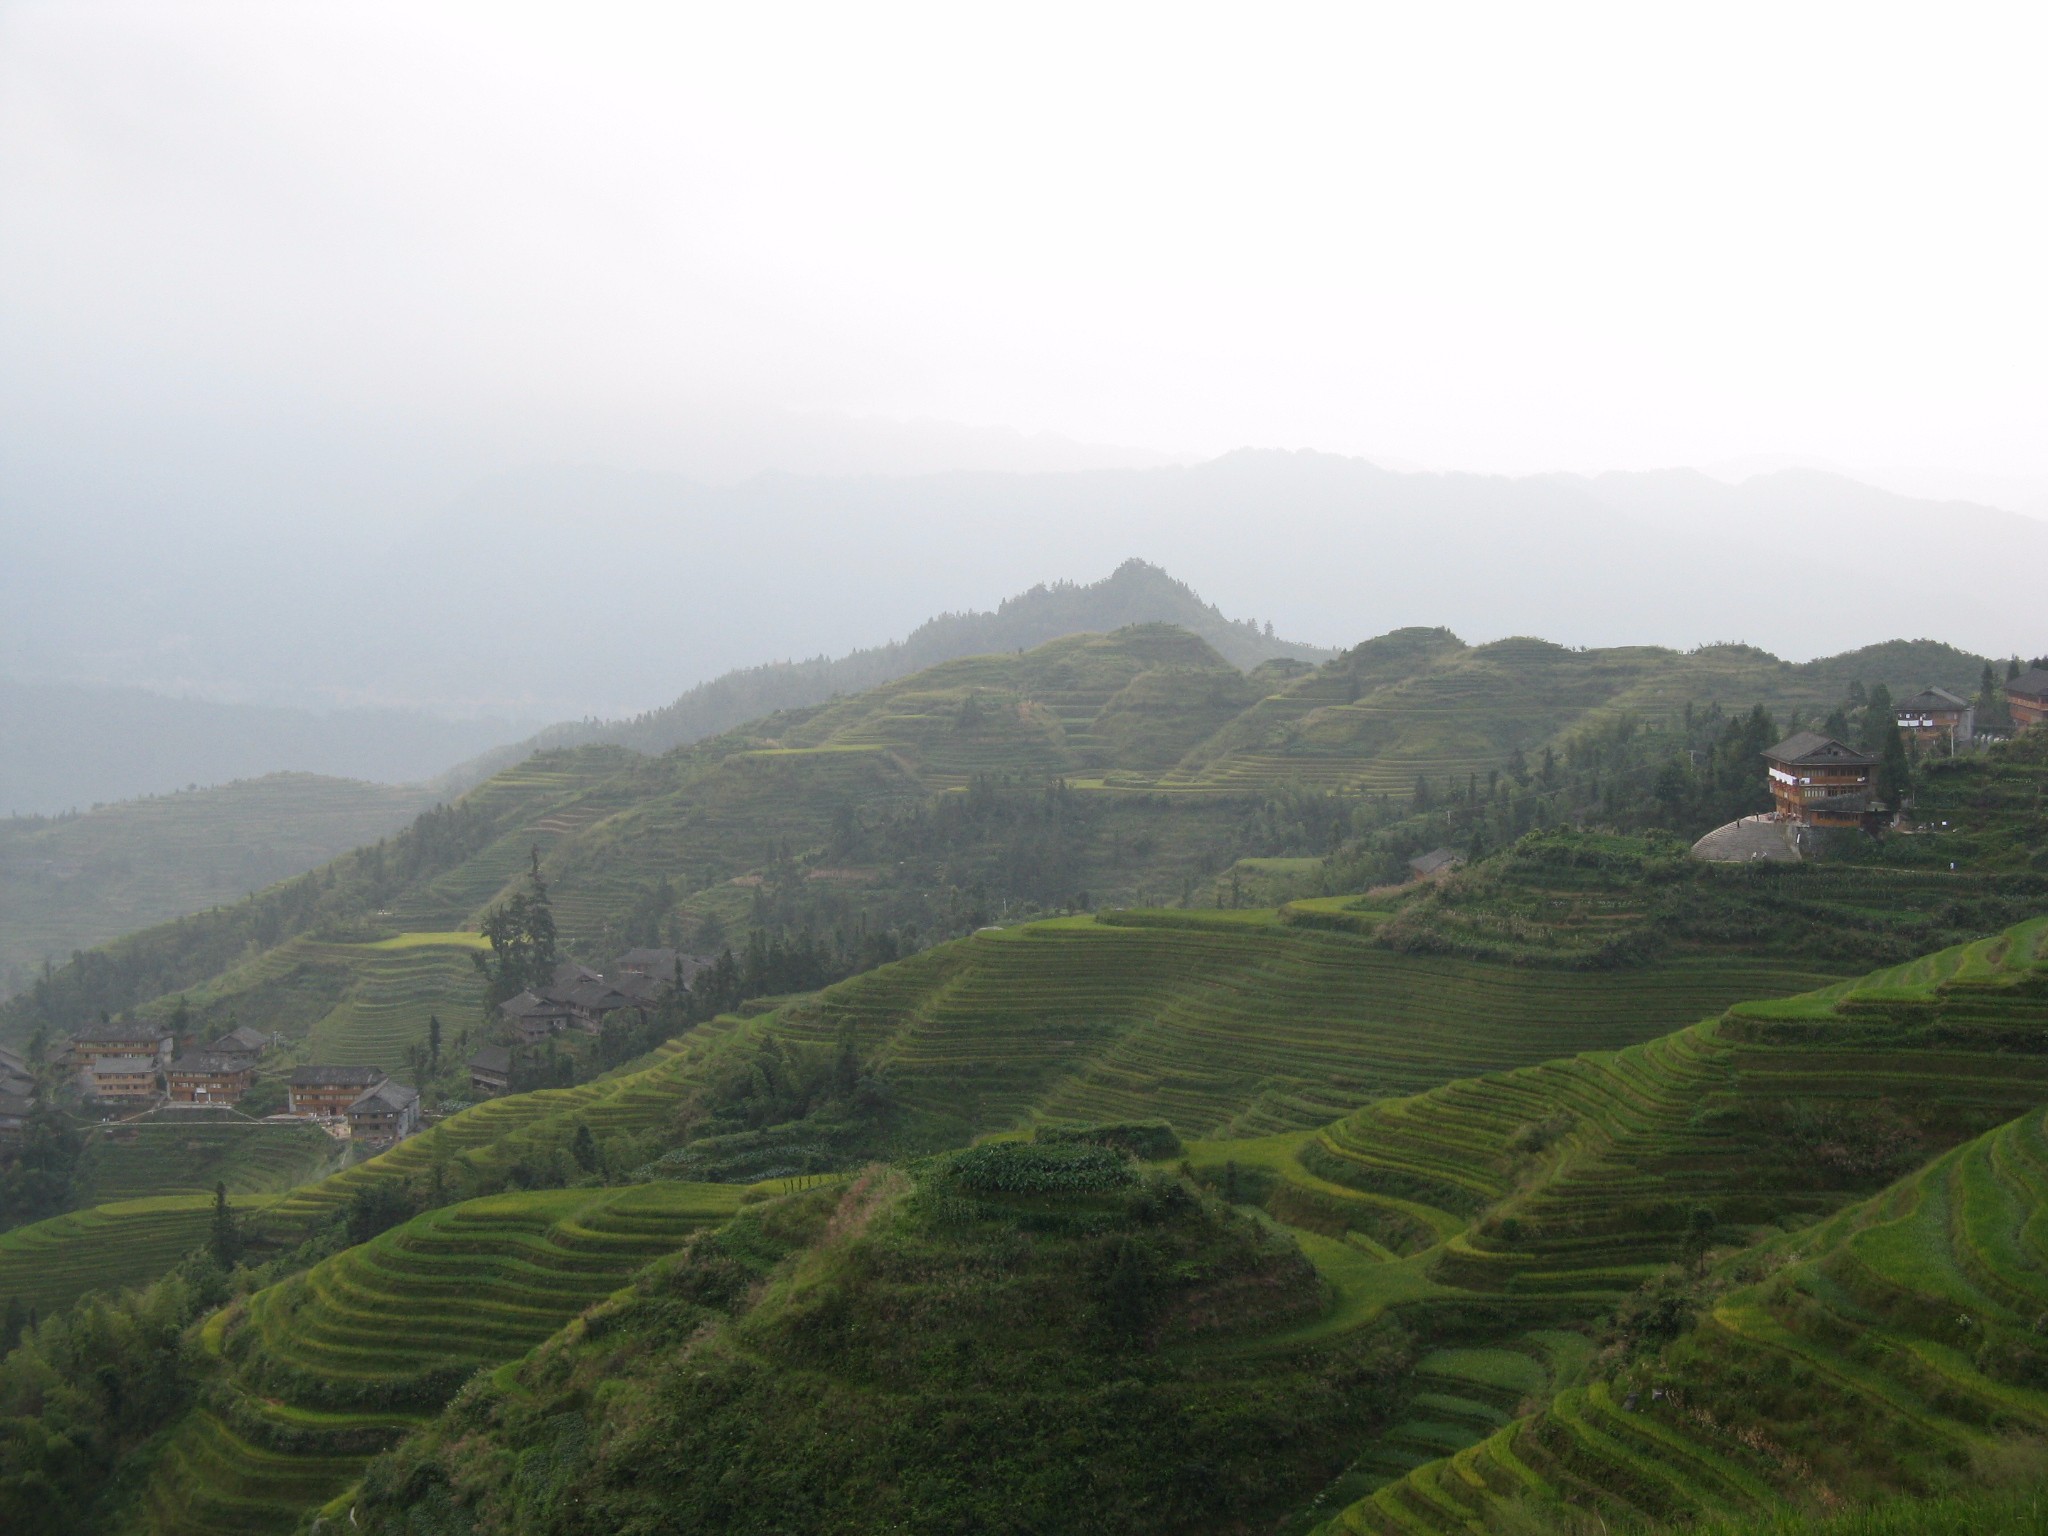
[[579, 998], [1817, 781], [17, 1093], [136, 1065], [582, 999], [354, 1103], [130, 1064], [136, 1061]]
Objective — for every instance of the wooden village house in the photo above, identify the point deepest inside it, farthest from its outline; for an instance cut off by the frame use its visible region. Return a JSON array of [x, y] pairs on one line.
[[1935, 715], [1818, 782], [209, 1077], [124, 1078], [388, 1112], [15, 1108], [490, 1069], [328, 1091], [2027, 697], [92, 1042]]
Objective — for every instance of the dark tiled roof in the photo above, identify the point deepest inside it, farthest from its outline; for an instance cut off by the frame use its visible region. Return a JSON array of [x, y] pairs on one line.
[[2033, 683], [387, 1098], [568, 973], [336, 1077], [659, 963], [211, 1062], [492, 1058], [1928, 700], [533, 1002], [243, 1040], [16, 1104], [118, 1034], [124, 1066], [1812, 750]]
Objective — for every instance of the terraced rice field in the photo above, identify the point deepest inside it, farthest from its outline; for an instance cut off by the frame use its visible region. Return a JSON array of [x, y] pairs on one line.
[[498, 1132], [398, 985], [169, 1156], [325, 1369], [1239, 1027], [52, 1263], [1903, 1332]]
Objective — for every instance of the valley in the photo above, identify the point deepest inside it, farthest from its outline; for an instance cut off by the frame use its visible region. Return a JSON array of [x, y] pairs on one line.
[[1087, 1067]]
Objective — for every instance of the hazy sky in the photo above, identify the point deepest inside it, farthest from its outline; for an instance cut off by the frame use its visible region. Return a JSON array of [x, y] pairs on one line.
[[1505, 237]]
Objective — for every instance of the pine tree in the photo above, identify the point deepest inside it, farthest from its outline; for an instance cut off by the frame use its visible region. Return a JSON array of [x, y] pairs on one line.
[[584, 1149], [434, 1038], [1894, 773], [225, 1240]]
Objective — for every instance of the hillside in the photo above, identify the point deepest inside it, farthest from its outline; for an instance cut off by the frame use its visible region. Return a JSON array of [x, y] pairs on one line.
[[1465, 1242], [1135, 593], [1330, 548], [1130, 769], [71, 747], [1492, 1221], [69, 883]]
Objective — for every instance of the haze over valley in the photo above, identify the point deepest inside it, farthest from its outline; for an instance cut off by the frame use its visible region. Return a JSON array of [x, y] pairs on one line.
[[911, 770]]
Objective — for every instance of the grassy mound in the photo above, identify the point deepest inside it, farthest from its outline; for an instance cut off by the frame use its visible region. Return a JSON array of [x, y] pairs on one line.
[[1078, 1350], [316, 1374], [49, 1264], [1892, 1351], [168, 1157], [1244, 1027]]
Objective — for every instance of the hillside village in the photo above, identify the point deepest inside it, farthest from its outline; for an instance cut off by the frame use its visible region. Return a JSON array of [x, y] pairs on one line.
[[120, 1072], [1818, 783], [1117, 947]]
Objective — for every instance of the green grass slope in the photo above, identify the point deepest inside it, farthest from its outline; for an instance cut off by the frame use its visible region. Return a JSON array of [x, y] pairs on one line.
[[1543, 1196], [68, 883], [50, 1264], [181, 1156], [314, 1375], [1421, 703], [834, 816], [1232, 1023], [1010, 1340]]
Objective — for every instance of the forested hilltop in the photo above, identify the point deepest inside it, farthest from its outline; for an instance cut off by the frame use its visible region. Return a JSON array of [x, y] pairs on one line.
[[1089, 1122], [1135, 593]]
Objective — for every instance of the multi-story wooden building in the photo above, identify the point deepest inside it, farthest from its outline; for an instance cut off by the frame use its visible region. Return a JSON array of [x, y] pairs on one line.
[[1820, 782], [1936, 715], [490, 1069], [209, 1077], [326, 1091], [2027, 697], [15, 1109], [388, 1112], [123, 1077], [91, 1042], [242, 1041]]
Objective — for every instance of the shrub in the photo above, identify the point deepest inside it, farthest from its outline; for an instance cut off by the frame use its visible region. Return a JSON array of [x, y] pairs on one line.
[[1023, 1168]]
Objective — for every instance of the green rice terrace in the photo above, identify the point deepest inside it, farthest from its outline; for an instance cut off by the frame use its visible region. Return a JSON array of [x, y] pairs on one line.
[[312, 1376], [832, 815], [174, 1154], [1588, 1186]]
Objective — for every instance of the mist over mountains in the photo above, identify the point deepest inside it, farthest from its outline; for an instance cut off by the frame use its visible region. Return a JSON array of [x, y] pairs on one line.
[[573, 593]]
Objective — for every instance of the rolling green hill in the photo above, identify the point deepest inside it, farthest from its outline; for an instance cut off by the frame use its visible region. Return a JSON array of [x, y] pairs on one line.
[[1466, 1240], [72, 882], [846, 816], [1890, 1348], [317, 1373]]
